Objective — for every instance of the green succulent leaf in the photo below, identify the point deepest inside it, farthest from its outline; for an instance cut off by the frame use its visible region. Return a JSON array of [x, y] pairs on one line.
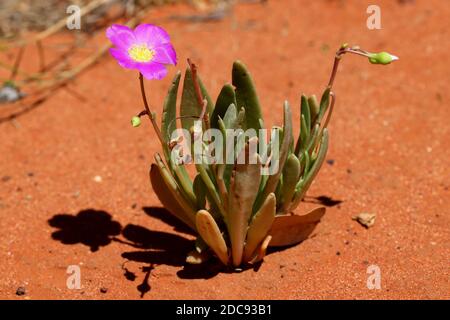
[[314, 108], [230, 117], [324, 103], [212, 192], [310, 174], [291, 174], [189, 105], [200, 191], [272, 181], [313, 140], [169, 115], [226, 98], [246, 95], [305, 111]]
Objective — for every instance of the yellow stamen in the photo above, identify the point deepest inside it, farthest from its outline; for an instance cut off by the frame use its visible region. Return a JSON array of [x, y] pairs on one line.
[[141, 53]]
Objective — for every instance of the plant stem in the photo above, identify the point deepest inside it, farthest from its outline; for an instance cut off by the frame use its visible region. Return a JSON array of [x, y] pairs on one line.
[[343, 50], [150, 114]]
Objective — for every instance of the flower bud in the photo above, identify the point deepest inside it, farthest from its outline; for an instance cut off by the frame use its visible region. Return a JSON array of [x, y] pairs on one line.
[[382, 58], [135, 121]]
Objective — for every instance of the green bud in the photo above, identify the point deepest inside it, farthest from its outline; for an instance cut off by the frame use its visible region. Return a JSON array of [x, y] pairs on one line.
[[135, 121], [382, 58]]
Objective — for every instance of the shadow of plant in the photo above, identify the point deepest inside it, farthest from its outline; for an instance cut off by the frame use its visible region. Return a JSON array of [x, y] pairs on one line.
[[90, 227], [165, 216], [95, 228], [159, 247], [323, 200]]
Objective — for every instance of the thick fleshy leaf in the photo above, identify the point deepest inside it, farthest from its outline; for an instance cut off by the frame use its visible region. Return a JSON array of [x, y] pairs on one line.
[[243, 193], [190, 109], [324, 103], [314, 108], [310, 174], [288, 230], [212, 192], [303, 137], [167, 192], [259, 226], [246, 95], [184, 182], [305, 111], [226, 98], [291, 174], [169, 115], [273, 180], [200, 191], [229, 117], [313, 139], [210, 232], [261, 251], [241, 120]]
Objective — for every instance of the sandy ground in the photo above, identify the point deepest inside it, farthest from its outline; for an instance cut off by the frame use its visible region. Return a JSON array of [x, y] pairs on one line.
[[388, 155]]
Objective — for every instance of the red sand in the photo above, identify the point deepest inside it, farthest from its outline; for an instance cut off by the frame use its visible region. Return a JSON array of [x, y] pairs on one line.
[[388, 143]]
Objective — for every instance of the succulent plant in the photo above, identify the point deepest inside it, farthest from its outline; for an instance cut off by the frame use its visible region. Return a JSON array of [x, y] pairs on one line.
[[247, 180], [237, 211], [233, 206]]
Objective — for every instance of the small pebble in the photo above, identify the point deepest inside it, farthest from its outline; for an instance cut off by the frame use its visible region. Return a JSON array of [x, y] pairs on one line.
[[98, 179], [365, 219], [103, 290], [338, 253], [20, 291], [330, 161]]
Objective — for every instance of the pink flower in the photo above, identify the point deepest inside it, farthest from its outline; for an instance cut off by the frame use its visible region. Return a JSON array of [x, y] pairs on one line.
[[147, 48]]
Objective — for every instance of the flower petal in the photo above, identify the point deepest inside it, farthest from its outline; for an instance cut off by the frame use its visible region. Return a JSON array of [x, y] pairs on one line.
[[151, 35], [165, 54], [152, 70], [121, 36], [123, 58]]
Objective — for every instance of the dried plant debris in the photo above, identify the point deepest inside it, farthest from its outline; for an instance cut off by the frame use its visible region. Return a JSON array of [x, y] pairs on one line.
[[17, 16], [365, 219]]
